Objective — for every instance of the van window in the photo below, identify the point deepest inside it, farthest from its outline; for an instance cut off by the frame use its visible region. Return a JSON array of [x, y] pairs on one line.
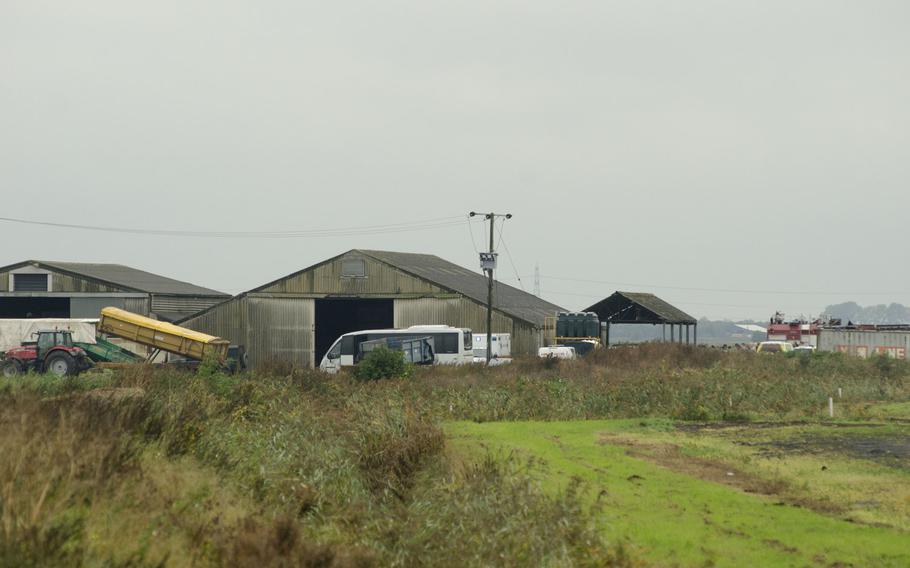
[[335, 351], [445, 342]]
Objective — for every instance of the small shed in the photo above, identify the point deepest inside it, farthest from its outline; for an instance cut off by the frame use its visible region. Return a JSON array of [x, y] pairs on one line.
[[644, 308]]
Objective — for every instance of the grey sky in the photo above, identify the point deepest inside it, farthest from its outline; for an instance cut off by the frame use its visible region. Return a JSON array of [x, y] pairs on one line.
[[707, 144]]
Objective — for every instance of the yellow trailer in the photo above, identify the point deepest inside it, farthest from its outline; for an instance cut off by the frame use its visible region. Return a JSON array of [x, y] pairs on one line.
[[161, 335]]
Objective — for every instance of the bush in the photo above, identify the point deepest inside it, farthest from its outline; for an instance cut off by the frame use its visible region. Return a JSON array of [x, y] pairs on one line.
[[383, 363]]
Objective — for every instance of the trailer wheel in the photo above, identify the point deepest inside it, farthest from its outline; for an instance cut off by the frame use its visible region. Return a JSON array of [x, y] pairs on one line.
[[60, 364], [10, 368]]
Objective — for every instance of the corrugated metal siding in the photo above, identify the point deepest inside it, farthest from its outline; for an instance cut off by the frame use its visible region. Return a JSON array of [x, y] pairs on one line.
[[380, 279], [64, 283], [187, 304], [227, 320], [4, 281], [458, 312], [865, 343], [526, 339], [269, 329], [464, 312], [136, 305], [281, 329]]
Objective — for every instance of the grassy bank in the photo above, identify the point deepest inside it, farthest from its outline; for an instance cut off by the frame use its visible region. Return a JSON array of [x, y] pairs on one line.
[[683, 499], [289, 467]]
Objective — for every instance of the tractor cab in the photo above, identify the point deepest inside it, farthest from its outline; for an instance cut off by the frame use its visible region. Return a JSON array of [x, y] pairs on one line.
[[52, 352]]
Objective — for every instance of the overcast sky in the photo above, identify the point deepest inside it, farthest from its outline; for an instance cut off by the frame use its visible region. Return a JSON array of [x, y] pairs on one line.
[[733, 157]]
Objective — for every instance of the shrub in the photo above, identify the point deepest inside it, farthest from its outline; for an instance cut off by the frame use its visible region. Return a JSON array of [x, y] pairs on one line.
[[210, 365], [382, 363]]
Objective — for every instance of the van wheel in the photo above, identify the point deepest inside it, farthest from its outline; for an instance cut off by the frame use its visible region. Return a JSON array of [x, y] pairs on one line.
[[60, 364], [10, 368]]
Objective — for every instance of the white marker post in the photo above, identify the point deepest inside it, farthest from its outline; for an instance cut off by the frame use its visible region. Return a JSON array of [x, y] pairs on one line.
[[831, 406], [840, 392]]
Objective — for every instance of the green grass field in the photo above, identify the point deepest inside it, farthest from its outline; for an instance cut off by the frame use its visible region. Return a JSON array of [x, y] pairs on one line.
[[712, 500]]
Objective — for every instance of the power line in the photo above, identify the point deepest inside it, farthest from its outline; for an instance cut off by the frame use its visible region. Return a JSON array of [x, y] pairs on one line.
[[471, 230], [409, 226], [729, 290], [595, 296], [511, 260]]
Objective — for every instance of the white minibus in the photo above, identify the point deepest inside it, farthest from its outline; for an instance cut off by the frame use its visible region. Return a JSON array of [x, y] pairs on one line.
[[451, 345]]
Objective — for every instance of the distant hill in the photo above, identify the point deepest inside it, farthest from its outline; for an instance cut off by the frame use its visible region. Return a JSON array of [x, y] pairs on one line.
[[853, 312]]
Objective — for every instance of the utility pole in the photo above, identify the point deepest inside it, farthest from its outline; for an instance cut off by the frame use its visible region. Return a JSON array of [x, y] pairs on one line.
[[488, 264]]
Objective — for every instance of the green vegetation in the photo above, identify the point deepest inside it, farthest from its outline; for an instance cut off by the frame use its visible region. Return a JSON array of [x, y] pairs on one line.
[[714, 509], [150, 467], [383, 363]]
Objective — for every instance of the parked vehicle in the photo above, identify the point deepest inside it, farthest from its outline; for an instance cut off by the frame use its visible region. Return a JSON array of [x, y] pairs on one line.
[[501, 353], [56, 352], [804, 349], [162, 336], [557, 352], [53, 352], [774, 347], [451, 345], [417, 351]]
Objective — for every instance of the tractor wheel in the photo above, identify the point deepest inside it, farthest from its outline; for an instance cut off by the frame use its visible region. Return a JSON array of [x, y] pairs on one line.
[[60, 364], [10, 368]]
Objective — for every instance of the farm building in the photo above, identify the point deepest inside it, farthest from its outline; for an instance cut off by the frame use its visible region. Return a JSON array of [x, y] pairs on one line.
[[297, 318], [640, 308], [46, 289]]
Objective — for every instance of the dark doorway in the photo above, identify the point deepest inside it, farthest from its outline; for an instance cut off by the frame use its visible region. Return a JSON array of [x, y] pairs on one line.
[[335, 317], [32, 307]]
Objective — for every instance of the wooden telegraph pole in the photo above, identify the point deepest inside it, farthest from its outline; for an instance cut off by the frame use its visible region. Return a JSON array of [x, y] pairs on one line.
[[488, 264]]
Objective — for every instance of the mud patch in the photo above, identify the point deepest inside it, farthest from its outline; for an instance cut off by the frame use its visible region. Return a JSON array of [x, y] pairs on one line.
[[887, 447], [892, 450], [672, 458], [695, 427]]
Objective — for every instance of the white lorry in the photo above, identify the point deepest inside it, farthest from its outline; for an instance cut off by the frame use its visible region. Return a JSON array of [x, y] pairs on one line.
[[500, 354]]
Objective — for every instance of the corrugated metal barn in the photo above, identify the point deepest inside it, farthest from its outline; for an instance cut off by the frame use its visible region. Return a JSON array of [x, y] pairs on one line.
[[296, 319], [47, 289]]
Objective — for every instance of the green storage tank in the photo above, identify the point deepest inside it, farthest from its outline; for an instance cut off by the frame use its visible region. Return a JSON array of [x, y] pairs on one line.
[[562, 323], [592, 325], [576, 324]]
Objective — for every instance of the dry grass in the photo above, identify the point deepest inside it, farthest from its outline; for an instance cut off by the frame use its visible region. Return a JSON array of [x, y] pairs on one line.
[[58, 454]]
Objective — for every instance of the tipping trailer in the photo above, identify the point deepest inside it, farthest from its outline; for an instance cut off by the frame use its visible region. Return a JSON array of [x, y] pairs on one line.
[[161, 336]]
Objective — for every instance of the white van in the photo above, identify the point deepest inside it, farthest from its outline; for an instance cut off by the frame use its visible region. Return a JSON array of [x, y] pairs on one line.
[[557, 352], [502, 347], [451, 345]]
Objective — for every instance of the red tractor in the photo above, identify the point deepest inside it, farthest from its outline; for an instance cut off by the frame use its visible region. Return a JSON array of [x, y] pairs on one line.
[[53, 352]]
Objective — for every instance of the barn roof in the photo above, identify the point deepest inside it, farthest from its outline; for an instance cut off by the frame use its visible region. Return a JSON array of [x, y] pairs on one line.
[[444, 274], [120, 276], [639, 307], [506, 299]]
